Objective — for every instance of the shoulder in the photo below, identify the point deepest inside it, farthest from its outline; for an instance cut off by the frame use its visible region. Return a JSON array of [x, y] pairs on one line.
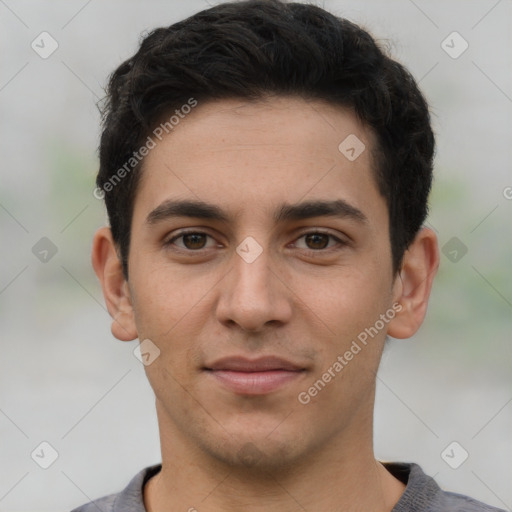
[[423, 494], [453, 501], [129, 499]]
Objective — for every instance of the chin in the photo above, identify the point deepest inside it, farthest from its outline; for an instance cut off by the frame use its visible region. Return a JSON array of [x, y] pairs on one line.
[[256, 452]]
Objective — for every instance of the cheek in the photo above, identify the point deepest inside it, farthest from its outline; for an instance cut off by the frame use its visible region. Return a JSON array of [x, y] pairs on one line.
[[164, 297], [346, 299], [170, 311], [350, 352]]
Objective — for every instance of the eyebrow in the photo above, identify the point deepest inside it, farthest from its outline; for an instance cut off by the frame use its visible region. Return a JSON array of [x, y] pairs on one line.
[[338, 208], [185, 208], [305, 210]]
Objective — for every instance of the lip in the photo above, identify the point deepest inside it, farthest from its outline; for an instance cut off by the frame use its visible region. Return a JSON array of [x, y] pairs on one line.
[[261, 364], [254, 376]]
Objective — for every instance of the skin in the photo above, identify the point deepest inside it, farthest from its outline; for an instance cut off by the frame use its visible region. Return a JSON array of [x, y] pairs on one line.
[[304, 299]]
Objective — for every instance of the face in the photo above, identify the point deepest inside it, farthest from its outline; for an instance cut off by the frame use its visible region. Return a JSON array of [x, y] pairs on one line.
[[259, 255]]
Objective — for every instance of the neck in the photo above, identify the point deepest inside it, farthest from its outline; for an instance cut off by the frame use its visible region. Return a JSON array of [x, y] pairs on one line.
[[341, 476]]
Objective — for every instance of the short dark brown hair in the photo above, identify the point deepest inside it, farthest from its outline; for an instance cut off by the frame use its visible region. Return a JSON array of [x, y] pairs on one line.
[[250, 50]]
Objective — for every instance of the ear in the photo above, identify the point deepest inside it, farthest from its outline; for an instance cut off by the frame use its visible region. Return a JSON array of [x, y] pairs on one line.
[[108, 268], [413, 284]]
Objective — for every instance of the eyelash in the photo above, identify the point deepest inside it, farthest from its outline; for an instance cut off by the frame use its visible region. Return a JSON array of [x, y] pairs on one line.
[[315, 252]]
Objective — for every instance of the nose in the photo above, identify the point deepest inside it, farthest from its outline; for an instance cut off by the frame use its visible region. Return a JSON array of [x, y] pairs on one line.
[[253, 295]]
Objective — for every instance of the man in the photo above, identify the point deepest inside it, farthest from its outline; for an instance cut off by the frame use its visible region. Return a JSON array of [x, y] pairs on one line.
[[266, 170]]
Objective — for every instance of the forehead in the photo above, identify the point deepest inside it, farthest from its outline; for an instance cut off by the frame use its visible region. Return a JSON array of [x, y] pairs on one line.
[[255, 154]]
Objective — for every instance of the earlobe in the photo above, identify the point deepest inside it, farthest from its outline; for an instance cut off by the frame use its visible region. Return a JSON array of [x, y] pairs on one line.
[[413, 285], [108, 268]]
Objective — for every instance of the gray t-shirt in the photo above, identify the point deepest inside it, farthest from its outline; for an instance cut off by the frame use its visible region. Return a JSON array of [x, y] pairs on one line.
[[422, 494]]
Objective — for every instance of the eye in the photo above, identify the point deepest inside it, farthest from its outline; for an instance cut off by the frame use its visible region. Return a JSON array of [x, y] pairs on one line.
[[318, 240], [191, 241]]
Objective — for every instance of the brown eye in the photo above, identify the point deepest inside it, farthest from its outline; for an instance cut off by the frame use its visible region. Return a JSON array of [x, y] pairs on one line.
[[194, 240], [191, 241], [317, 240]]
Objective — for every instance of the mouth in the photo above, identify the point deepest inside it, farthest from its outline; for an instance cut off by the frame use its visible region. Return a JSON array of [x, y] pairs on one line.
[[254, 377]]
